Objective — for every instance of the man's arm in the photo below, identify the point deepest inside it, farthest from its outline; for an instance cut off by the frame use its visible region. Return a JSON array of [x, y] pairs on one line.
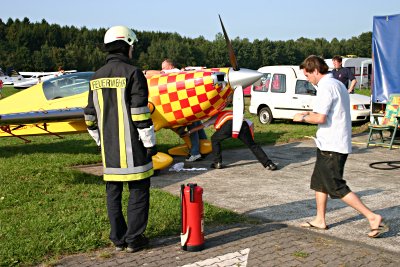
[[352, 85], [352, 79], [150, 73], [195, 129], [310, 117], [201, 126]]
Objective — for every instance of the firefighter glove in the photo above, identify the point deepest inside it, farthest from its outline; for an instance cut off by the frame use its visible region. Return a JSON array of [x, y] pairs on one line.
[[147, 136], [95, 135]]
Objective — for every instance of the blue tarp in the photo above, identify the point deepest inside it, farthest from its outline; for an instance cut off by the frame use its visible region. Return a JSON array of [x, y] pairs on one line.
[[385, 57]]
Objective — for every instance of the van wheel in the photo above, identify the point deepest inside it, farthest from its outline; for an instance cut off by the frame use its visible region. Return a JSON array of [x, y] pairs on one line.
[[265, 116]]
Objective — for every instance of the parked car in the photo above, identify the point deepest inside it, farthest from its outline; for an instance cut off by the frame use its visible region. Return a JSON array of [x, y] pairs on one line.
[[284, 91]]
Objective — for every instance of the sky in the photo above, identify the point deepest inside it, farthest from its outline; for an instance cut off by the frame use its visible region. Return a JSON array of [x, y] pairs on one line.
[[251, 19]]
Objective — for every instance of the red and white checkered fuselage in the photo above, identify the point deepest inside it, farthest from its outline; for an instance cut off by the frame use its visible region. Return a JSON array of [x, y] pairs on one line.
[[180, 98]]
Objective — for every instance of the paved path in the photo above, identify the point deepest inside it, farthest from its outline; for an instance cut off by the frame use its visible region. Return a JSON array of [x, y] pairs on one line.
[[282, 199]]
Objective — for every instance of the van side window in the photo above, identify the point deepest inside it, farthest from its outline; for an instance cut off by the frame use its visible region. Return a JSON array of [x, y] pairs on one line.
[[278, 84], [304, 87], [264, 83]]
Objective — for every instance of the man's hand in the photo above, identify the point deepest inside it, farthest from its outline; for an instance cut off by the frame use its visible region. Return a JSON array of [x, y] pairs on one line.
[[184, 134], [298, 117], [310, 117], [151, 151]]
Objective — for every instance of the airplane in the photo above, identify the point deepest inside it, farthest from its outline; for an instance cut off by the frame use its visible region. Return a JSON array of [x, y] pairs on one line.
[[32, 78], [175, 100], [7, 80], [10, 78]]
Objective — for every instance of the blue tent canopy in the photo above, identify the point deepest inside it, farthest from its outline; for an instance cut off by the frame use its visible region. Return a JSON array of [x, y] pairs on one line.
[[386, 57]]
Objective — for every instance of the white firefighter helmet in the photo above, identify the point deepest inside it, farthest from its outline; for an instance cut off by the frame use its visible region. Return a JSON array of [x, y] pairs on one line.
[[122, 33]]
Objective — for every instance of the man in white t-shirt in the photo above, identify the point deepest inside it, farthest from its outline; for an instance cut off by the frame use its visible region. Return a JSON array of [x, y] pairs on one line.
[[332, 114], [167, 66]]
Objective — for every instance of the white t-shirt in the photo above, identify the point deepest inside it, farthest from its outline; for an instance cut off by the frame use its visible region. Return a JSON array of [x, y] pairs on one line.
[[171, 70], [333, 100]]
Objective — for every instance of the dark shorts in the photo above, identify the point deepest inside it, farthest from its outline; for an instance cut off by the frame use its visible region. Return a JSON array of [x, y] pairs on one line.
[[328, 174]]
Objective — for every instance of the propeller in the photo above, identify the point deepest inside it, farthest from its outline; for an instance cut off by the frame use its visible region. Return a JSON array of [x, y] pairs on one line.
[[232, 56], [238, 78]]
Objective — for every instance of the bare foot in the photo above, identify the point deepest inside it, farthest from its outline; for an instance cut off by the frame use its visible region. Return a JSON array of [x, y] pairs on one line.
[[314, 224], [377, 226]]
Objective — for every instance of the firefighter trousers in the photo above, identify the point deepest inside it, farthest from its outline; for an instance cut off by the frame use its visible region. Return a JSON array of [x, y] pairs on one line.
[[124, 232]]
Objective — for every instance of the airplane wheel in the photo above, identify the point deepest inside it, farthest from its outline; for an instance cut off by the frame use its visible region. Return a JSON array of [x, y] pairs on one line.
[[265, 115]]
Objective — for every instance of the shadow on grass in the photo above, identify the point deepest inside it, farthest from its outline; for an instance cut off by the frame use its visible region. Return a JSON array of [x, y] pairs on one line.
[[86, 178], [58, 146], [49, 146]]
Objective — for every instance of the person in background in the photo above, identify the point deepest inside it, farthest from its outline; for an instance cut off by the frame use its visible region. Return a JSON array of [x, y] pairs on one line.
[[167, 66], [333, 139], [1, 88], [343, 74], [60, 71], [195, 137], [117, 112], [223, 125]]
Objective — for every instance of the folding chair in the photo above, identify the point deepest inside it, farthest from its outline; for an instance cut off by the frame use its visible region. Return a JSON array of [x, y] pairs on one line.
[[390, 122]]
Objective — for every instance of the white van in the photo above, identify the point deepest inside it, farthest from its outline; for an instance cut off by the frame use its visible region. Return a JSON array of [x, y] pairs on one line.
[[284, 91]]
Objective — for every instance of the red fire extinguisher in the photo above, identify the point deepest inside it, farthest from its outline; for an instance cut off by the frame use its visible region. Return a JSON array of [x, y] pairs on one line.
[[192, 217]]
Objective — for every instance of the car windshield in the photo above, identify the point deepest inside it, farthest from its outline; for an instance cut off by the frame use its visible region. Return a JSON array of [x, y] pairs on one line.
[[67, 85]]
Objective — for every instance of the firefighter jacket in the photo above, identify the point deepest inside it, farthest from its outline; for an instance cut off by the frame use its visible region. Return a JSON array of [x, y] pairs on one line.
[[117, 107]]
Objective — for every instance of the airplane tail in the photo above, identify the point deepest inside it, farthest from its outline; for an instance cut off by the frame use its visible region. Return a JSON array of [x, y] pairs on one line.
[[12, 72]]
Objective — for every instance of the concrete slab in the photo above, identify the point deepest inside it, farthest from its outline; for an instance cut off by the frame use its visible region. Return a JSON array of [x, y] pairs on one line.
[[283, 196]]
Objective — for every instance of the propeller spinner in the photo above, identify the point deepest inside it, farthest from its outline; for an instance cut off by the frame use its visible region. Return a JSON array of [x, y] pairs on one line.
[[238, 79]]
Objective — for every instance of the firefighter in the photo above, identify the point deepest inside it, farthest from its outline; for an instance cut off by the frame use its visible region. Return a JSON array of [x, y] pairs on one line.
[[118, 116]]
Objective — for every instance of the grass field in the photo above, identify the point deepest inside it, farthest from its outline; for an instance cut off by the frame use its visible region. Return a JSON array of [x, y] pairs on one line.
[[48, 209], [8, 90]]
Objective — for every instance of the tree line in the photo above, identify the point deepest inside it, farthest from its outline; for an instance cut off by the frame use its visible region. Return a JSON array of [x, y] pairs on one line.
[[40, 46]]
